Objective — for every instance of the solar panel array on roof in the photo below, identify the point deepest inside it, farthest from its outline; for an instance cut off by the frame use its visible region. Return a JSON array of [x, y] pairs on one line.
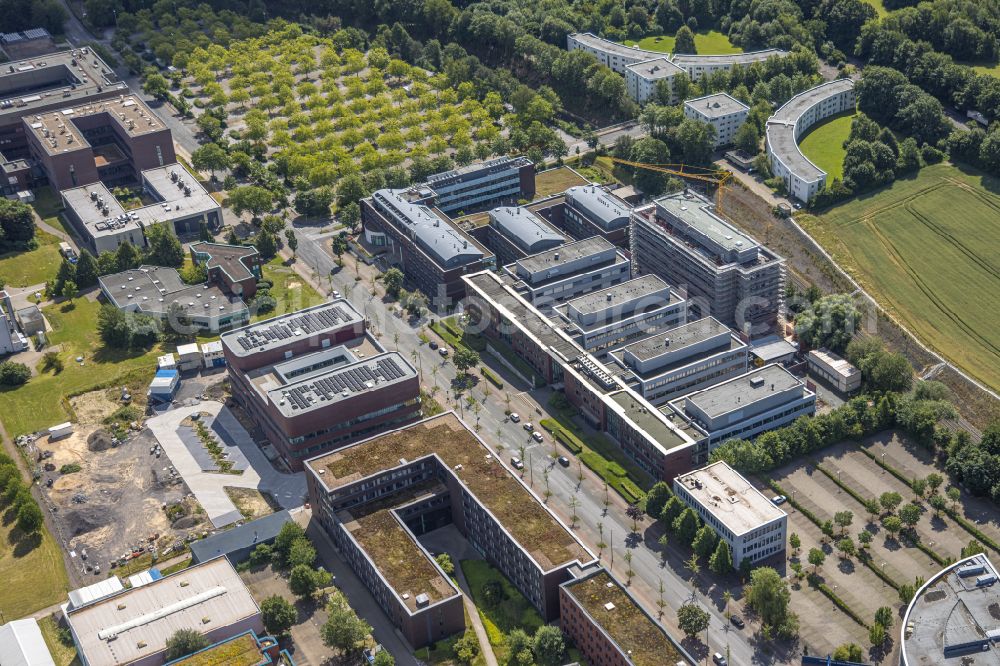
[[294, 326], [352, 380]]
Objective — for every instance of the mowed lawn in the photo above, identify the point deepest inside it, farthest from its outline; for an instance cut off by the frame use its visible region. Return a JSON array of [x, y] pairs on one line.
[[556, 181], [824, 144], [33, 576], [290, 291], [41, 402], [707, 42], [925, 247], [23, 269]]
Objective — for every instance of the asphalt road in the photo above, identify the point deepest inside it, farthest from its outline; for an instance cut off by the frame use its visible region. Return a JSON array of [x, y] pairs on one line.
[[563, 483]]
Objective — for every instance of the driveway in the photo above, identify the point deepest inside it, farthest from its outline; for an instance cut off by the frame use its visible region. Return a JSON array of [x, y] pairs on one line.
[[289, 490]]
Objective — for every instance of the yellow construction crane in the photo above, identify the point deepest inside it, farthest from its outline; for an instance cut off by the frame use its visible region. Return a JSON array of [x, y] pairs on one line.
[[710, 176]]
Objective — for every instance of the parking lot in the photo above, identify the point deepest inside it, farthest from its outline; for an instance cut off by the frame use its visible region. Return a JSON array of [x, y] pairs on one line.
[[853, 581]]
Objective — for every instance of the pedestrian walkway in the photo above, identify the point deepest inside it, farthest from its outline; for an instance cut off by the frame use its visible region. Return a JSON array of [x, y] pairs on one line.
[[288, 490]]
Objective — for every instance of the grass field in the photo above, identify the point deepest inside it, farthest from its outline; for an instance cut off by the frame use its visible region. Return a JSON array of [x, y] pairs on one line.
[[62, 654], [879, 7], [23, 269], [708, 42], [824, 144], [33, 578], [289, 290], [40, 403], [514, 612], [925, 247], [555, 181]]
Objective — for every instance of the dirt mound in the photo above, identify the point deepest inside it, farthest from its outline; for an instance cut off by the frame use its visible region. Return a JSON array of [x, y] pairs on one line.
[[87, 520], [99, 440], [185, 523]]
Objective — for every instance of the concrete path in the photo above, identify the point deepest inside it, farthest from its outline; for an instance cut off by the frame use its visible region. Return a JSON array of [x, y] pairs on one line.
[[209, 488]]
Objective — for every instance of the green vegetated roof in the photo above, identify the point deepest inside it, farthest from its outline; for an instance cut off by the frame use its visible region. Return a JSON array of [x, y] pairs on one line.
[[630, 628], [531, 525], [241, 651]]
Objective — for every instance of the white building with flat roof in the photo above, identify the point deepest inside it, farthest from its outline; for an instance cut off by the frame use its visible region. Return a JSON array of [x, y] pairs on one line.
[[723, 112], [835, 370], [745, 406], [132, 626], [643, 78], [784, 129], [740, 514]]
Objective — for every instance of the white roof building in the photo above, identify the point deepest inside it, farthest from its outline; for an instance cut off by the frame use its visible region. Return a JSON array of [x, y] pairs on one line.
[[21, 644], [96, 592]]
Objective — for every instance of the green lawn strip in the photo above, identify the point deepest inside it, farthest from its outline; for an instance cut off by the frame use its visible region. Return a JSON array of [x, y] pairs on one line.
[[837, 601], [24, 269], [289, 290], [706, 42], [174, 568], [604, 459], [33, 576], [43, 401], [491, 377], [823, 144], [455, 338], [513, 612], [773, 485], [62, 654]]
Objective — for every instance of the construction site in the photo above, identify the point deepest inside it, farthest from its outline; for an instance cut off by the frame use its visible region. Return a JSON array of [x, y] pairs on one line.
[[115, 498]]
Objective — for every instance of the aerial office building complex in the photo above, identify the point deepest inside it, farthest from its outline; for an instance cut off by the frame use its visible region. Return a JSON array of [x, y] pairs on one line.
[[377, 497], [568, 271], [724, 272], [747, 405], [740, 514], [687, 358], [314, 381], [515, 232], [503, 180], [590, 210], [622, 313], [179, 199], [803, 178], [431, 251]]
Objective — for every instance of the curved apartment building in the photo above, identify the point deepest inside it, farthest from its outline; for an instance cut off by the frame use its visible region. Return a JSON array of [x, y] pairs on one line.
[[618, 57], [803, 178]]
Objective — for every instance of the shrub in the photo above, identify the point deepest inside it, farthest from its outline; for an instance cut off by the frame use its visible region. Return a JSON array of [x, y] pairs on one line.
[[70, 468], [491, 377]]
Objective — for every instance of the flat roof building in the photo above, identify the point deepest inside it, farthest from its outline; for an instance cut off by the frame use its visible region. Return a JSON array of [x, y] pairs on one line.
[[722, 111], [103, 223], [571, 270], [516, 232], [423, 242], [375, 497], [803, 178], [22, 644], [316, 401], [237, 542], [501, 180], [618, 57], [622, 313], [160, 293], [740, 514], [747, 405], [835, 370], [686, 358], [590, 210], [610, 628], [724, 272], [951, 620], [246, 649], [238, 267], [132, 626], [642, 79]]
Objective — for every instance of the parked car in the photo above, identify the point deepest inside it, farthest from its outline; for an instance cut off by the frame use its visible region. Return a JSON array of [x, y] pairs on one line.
[[528, 426], [336, 294], [564, 461], [719, 660], [737, 621], [778, 499], [515, 417], [516, 462], [537, 435], [443, 351]]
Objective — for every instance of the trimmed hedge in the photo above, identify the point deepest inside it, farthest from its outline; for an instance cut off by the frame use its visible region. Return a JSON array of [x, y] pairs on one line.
[[491, 376], [865, 557], [843, 486], [889, 468], [837, 601], [972, 529]]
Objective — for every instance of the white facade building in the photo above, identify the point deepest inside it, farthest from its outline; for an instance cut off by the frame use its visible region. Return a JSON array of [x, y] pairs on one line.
[[721, 111], [834, 369], [740, 514], [642, 78], [11, 338], [803, 178], [618, 57]]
